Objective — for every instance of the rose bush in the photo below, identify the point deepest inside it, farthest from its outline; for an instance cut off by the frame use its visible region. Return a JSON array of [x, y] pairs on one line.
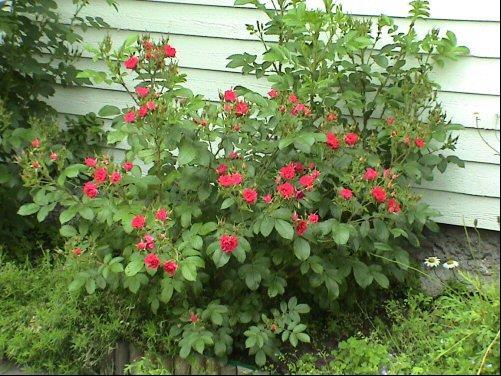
[[222, 215]]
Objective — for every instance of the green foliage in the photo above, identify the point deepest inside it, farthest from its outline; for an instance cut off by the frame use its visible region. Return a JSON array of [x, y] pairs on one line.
[[458, 333], [244, 203], [38, 50]]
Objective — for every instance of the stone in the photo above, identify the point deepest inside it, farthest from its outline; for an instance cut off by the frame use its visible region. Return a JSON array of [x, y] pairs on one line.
[[476, 251]]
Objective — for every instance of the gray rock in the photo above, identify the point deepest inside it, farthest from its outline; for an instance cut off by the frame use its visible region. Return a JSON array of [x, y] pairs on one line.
[[476, 251]]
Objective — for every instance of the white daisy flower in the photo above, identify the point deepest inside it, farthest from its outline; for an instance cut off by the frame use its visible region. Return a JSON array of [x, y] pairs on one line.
[[432, 262], [451, 264]]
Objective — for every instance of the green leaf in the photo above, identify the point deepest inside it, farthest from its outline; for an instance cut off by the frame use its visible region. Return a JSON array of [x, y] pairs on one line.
[[341, 233], [90, 286], [109, 111], [267, 226], [227, 203], [284, 228], [220, 258], [189, 271], [28, 209], [68, 231], [86, 213], [134, 267], [362, 274], [302, 249], [67, 215], [381, 279], [187, 153]]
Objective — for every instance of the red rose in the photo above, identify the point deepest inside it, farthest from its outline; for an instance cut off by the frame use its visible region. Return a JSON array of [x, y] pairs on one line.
[[346, 193], [419, 142], [90, 190], [36, 165], [390, 121], [115, 177], [170, 267], [131, 62], [298, 167], [228, 243], [286, 190], [293, 98], [332, 141], [249, 195], [299, 195], [138, 222], [90, 162], [100, 175], [150, 241], [143, 112], [36, 143], [313, 218], [332, 116], [162, 214], [77, 251], [298, 108], [169, 51], [393, 206], [301, 227], [241, 109], [142, 91], [288, 172], [307, 181], [222, 169], [151, 106], [152, 261], [370, 174], [295, 217], [141, 245], [53, 156], [233, 155], [193, 318], [230, 96], [379, 194], [230, 180], [130, 117], [351, 139], [273, 93], [127, 166], [268, 198]]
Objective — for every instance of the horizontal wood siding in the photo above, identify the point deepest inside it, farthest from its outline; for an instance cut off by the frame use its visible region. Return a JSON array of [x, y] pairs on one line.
[[206, 32]]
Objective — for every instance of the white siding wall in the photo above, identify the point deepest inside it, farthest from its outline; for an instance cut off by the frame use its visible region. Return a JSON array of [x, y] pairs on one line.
[[206, 32]]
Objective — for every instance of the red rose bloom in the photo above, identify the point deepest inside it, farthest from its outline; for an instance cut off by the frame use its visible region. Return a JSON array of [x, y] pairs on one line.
[[169, 51], [307, 181], [170, 267], [233, 155], [152, 261], [90, 162], [332, 116], [288, 172], [230, 96], [332, 141], [36, 143], [141, 245], [419, 142], [351, 139], [298, 167], [298, 108], [346, 193], [379, 194], [393, 206], [230, 180], [138, 222], [90, 190], [268, 198], [143, 112], [249, 195], [162, 214], [127, 166], [77, 251], [100, 175], [241, 109], [150, 241], [151, 106], [293, 98], [53, 156], [313, 218], [193, 318], [130, 117], [390, 121], [36, 165], [222, 169], [131, 62], [115, 177], [273, 93], [370, 174], [301, 227], [228, 243], [142, 91], [286, 190]]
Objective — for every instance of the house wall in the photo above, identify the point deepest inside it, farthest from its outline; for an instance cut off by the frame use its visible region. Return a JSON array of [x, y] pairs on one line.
[[206, 32]]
